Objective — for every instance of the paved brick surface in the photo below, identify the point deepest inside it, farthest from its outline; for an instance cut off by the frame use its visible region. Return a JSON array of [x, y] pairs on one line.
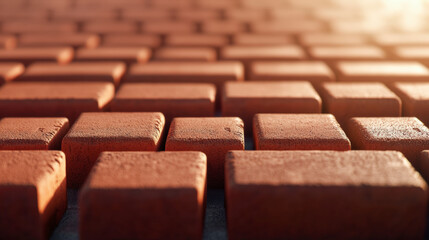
[[10, 71]]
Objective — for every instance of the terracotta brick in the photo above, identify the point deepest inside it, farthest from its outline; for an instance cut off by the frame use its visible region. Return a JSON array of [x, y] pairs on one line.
[[286, 27], [146, 14], [108, 27], [125, 54], [212, 136], [83, 15], [53, 99], [415, 99], [347, 100], [314, 71], [33, 195], [282, 13], [9, 71], [245, 39], [223, 27], [207, 72], [248, 54], [298, 132], [323, 194], [196, 40], [167, 4], [324, 39], [401, 39], [7, 42], [32, 133], [386, 72], [245, 14], [405, 134], [29, 55], [335, 53], [185, 54], [131, 40], [172, 99], [220, 4], [75, 72], [169, 27], [190, 14], [418, 54], [59, 40], [94, 133], [149, 185], [17, 27], [246, 99]]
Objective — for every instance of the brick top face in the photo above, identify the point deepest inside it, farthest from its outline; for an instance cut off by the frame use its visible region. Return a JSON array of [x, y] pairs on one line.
[[415, 91], [321, 169], [358, 90]]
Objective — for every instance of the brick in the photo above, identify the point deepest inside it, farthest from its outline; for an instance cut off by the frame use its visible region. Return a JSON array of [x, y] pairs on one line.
[[418, 54], [10, 71], [401, 39], [94, 133], [83, 15], [405, 134], [125, 54], [172, 99], [298, 132], [7, 42], [324, 39], [146, 14], [33, 195], [347, 100], [37, 26], [314, 71], [223, 27], [197, 14], [294, 188], [59, 40], [54, 99], [282, 13], [185, 54], [353, 26], [131, 40], [386, 72], [212, 136], [75, 72], [149, 185], [108, 27], [286, 27], [169, 27], [207, 72], [196, 40], [424, 165], [248, 54], [245, 39], [415, 99], [32, 133], [29, 55], [245, 15], [335, 53], [246, 99]]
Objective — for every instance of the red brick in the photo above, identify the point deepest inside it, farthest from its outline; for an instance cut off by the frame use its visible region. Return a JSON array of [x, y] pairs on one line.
[[83, 15], [196, 40], [314, 71], [185, 54], [401, 39], [335, 53], [146, 14], [149, 185], [107, 27], [386, 72], [246, 39], [172, 99], [33, 195], [197, 14], [248, 54], [324, 39], [223, 27], [286, 27], [94, 133], [32, 133], [29, 55], [53, 99], [59, 40], [131, 40], [10, 71], [245, 14], [7, 42], [405, 134], [298, 132], [347, 100], [75, 72], [283, 13], [415, 99], [125, 54], [212, 136], [323, 194], [207, 72], [246, 99], [169, 27], [18, 27]]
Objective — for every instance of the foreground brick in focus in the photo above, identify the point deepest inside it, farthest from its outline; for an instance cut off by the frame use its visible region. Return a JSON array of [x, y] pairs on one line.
[[346, 100], [30, 55], [212, 136], [323, 195], [9, 71], [172, 99], [415, 99], [32, 133], [139, 192], [53, 99], [298, 132], [405, 134], [33, 195], [94, 133]]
